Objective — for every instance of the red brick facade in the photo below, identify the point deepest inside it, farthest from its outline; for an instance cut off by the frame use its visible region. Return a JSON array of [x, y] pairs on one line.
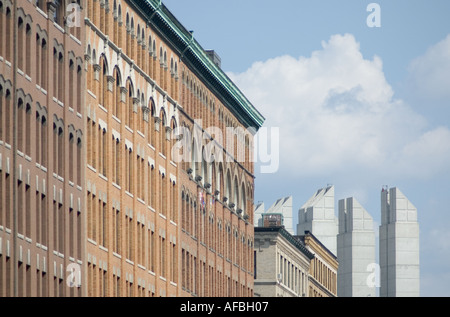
[[90, 181], [42, 145]]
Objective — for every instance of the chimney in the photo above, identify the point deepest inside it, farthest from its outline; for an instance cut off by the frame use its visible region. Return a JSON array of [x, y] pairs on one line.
[[214, 58]]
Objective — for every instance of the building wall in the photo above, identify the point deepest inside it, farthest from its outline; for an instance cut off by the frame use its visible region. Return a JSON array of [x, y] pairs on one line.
[[399, 246], [132, 224], [89, 177], [356, 250], [160, 222], [41, 151], [282, 269], [317, 216], [216, 198], [323, 269]]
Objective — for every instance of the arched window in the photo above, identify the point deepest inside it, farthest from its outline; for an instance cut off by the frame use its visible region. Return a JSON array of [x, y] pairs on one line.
[[143, 54], [129, 168], [129, 105], [28, 129], [71, 155], [8, 44], [151, 123], [79, 157], [243, 203], [132, 51], [119, 28], [128, 30], [162, 133], [116, 102], [116, 159], [236, 193], [195, 158], [141, 109], [44, 140], [103, 83], [229, 187], [183, 210], [20, 123], [79, 89], [20, 48]]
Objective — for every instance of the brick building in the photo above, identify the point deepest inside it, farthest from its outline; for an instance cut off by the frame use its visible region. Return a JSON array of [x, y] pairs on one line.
[[42, 143], [100, 182], [163, 222]]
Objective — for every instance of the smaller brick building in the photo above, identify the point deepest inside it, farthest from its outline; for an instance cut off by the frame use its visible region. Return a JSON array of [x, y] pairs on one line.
[[323, 269]]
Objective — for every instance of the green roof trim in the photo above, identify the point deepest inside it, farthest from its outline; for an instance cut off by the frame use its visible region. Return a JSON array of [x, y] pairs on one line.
[[194, 56]]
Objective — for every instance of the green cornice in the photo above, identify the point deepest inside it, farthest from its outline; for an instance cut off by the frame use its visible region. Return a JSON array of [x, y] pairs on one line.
[[194, 56]]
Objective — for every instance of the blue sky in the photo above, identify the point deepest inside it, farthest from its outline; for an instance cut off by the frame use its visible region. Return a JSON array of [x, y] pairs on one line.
[[357, 107]]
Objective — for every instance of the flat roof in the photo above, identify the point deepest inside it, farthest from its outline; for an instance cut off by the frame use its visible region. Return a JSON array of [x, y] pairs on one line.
[[293, 240]]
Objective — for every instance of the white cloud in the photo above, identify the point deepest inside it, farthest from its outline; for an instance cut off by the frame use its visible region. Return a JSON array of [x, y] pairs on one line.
[[430, 73], [337, 114], [430, 154]]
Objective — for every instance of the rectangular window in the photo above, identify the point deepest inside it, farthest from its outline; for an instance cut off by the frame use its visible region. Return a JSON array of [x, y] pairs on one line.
[[28, 50], [27, 211], [60, 152], [129, 177], [173, 200], [44, 64], [72, 237], [103, 224], [162, 256], [20, 124], [173, 263], [79, 170], [141, 243], [20, 46], [129, 237], [116, 219], [28, 129], [114, 160], [20, 208], [71, 157], [151, 251], [44, 141], [44, 218]]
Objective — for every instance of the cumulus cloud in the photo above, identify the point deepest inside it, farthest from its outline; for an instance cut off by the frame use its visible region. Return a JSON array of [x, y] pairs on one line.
[[337, 113], [430, 73]]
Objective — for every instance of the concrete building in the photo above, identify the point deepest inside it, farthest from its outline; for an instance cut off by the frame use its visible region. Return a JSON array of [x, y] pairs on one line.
[[355, 250], [257, 214], [323, 270], [317, 216], [42, 151], [282, 264], [399, 246], [283, 207]]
